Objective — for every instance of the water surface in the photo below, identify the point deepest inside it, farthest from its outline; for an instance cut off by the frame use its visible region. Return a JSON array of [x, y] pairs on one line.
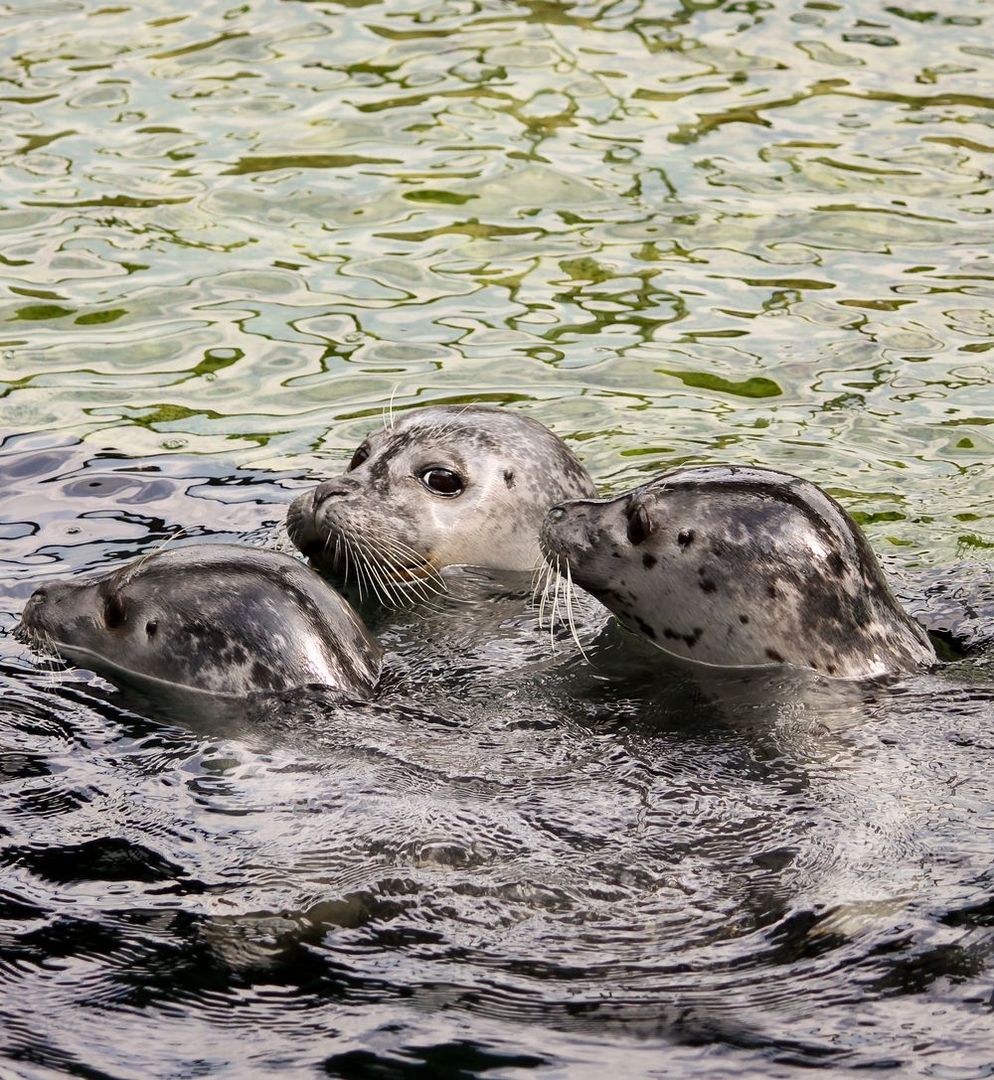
[[676, 232]]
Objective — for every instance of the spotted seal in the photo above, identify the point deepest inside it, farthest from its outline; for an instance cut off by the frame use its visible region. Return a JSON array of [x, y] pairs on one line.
[[739, 567], [219, 618], [441, 486]]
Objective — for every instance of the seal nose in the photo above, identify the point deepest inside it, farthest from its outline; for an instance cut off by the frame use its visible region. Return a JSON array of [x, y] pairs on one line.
[[35, 600], [330, 489]]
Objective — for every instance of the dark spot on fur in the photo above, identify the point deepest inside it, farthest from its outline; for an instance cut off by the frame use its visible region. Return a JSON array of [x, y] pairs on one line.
[[649, 561], [509, 478], [831, 669], [645, 628], [692, 639], [707, 585], [238, 654], [836, 564], [771, 591], [860, 612], [774, 655], [264, 676], [685, 538], [670, 634], [743, 619], [211, 638]]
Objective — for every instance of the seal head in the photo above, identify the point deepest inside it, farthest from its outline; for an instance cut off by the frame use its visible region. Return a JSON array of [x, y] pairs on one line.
[[211, 617], [739, 567], [442, 486]]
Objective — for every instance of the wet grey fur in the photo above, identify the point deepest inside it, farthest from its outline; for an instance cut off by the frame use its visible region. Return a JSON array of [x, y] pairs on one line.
[[513, 468], [212, 617], [740, 567]]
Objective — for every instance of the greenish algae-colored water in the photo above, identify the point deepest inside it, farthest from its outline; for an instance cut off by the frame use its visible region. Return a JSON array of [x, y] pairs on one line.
[[675, 232]]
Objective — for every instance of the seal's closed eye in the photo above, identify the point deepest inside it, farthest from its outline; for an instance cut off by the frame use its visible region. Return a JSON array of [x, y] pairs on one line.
[[359, 457], [749, 567], [114, 613], [639, 525], [214, 618]]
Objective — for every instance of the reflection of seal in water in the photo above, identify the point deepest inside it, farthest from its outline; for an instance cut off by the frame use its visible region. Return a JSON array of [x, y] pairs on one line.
[[739, 567], [213, 617], [441, 486]]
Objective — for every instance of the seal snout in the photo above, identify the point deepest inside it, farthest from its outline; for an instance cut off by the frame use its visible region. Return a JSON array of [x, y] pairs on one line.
[[335, 488], [33, 616], [564, 529], [38, 600]]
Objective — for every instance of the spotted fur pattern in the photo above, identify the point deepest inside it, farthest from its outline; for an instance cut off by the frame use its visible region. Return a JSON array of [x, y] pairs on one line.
[[212, 617], [740, 567]]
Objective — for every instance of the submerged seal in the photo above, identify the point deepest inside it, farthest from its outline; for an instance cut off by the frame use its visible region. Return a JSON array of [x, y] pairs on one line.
[[442, 486], [212, 617], [739, 567]]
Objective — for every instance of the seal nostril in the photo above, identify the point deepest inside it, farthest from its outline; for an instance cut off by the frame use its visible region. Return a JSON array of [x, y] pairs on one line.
[[330, 489]]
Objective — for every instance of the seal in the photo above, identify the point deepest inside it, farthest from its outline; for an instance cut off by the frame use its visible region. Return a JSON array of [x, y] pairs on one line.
[[219, 618], [441, 486], [739, 567]]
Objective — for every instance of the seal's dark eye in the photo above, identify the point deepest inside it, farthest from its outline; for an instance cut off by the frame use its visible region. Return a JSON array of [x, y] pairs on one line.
[[639, 525], [113, 612], [359, 457], [441, 481]]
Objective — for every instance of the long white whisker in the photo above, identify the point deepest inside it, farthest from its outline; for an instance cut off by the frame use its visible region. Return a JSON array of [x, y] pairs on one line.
[[569, 611], [555, 607], [544, 596]]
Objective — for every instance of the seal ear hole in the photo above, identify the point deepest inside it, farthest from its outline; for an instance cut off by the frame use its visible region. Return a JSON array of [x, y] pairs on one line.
[[639, 525], [113, 612], [441, 481], [359, 457]]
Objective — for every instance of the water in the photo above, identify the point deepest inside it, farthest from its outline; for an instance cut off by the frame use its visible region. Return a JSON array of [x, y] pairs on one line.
[[676, 232]]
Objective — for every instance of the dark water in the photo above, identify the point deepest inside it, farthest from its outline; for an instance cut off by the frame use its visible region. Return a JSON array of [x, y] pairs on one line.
[[512, 860], [677, 232]]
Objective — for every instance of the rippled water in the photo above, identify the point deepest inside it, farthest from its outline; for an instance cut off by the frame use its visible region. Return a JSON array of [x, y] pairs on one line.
[[698, 231]]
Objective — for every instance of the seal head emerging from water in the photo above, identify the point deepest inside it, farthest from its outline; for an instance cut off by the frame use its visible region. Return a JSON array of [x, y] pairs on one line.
[[212, 617], [441, 486], [739, 567]]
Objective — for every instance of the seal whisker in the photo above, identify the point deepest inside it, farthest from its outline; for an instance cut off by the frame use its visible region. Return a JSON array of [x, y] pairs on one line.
[[451, 480], [398, 589], [431, 577], [571, 621], [555, 605], [179, 531], [543, 597], [350, 562], [739, 568], [387, 593]]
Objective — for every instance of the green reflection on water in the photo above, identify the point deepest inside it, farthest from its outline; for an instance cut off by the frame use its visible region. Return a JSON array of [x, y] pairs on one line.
[[675, 231]]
